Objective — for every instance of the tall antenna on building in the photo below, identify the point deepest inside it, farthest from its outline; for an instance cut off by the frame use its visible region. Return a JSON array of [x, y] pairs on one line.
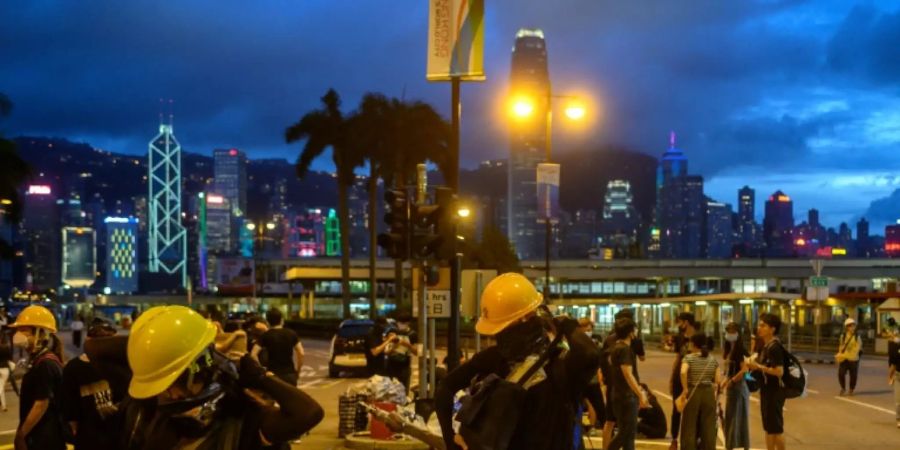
[[671, 139]]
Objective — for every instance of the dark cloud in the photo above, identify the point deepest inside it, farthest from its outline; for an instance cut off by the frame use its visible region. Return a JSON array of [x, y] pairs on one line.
[[884, 211], [743, 83]]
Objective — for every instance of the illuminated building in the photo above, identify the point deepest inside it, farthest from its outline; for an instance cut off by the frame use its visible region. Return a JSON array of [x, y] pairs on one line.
[[167, 240], [230, 178], [79, 259], [121, 254], [778, 225], [680, 207], [202, 249], [306, 235], [718, 231], [746, 220], [332, 234], [862, 238], [619, 227], [892, 240], [42, 244], [528, 76], [219, 233]]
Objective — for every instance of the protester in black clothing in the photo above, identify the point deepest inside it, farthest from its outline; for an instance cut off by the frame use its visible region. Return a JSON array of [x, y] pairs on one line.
[[627, 397], [594, 393], [687, 327], [41, 424], [510, 310], [768, 369], [89, 406], [184, 394], [652, 420], [637, 347], [283, 347], [401, 347], [375, 345]]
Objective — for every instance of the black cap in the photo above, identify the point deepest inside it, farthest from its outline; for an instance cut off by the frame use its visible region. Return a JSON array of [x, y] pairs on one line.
[[100, 328]]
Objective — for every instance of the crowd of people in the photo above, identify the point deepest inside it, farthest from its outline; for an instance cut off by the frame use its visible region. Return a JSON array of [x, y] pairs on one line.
[[178, 380]]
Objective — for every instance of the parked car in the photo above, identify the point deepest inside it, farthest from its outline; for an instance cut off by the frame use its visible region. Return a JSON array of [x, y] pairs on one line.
[[348, 348]]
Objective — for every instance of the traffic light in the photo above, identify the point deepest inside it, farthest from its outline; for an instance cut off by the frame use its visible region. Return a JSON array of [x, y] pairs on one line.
[[446, 225], [425, 241], [396, 241]]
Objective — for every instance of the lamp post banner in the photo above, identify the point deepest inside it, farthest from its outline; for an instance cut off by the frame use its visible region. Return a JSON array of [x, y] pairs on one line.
[[548, 192], [455, 40]]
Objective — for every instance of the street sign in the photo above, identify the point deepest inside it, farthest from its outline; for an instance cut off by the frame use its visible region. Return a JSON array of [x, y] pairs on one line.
[[817, 293], [438, 304], [818, 281]]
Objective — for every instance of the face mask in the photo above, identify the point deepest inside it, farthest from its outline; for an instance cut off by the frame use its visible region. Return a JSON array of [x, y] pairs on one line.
[[19, 340], [521, 339], [588, 333], [731, 337]]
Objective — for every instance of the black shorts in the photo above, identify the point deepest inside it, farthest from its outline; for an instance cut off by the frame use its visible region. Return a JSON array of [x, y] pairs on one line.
[[771, 405]]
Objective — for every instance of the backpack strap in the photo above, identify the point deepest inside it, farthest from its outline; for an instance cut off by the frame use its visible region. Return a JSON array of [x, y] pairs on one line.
[[542, 360]]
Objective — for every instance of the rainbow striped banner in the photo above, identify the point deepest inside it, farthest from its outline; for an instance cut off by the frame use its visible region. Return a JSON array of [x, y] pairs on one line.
[[455, 40]]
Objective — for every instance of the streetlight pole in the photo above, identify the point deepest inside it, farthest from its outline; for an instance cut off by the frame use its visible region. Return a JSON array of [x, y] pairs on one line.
[[549, 227]]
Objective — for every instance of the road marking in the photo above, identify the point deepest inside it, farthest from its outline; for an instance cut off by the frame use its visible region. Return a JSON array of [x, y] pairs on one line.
[[876, 408], [663, 395], [331, 384], [311, 384], [595, 440], [812, 391], [2, 433]]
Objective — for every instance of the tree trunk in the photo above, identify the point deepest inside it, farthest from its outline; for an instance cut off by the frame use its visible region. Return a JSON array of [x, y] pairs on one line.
[[344, 226], [373, 246]]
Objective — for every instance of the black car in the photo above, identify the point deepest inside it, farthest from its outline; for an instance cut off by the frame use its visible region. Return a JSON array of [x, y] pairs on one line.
[[348, 347]]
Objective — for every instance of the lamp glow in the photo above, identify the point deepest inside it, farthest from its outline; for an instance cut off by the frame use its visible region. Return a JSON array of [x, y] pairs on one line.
[[522, 107], [251, 226], [270, 226], [575, 111], [464, 212]]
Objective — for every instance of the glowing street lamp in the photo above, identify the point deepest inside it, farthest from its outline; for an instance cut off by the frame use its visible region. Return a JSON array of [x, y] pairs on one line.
[[270, 226], [251, 226], [522, 107], [575, 111], [464, 212]]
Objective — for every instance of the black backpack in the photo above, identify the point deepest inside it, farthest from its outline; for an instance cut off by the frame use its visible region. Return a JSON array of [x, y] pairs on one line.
[[793, 381]]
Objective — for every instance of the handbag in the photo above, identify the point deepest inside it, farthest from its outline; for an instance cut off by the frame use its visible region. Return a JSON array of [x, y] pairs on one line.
[[682, 401], [490, 414]]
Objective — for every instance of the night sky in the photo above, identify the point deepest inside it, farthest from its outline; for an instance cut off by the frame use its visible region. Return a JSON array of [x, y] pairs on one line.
[[802, 96]]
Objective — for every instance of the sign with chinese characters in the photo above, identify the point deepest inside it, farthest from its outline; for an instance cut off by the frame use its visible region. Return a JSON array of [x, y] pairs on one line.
[[437, 302]]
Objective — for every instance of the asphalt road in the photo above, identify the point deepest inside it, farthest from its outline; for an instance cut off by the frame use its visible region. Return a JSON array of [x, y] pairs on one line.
[[822, 420]]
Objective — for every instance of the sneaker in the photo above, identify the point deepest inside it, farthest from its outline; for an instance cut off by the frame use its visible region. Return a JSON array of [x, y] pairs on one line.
[[842, 393], [850, 394]]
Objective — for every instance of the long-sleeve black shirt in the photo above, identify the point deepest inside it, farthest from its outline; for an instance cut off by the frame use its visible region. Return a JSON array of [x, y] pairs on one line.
[[548, 419]]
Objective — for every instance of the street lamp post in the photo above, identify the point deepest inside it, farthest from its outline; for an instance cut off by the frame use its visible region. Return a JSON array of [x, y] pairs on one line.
[[523, 107]]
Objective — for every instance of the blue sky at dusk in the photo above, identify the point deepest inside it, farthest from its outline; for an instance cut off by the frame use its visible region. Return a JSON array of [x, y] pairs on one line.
[[802, 96]]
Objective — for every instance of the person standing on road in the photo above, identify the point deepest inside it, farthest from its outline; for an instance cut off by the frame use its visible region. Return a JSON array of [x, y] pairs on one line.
[[89, 406], [511, 311], [41, 424], [77, 328], [769, 369], [687, 326], [737, 394], [700, 375], [594, 393], [283, 347], [627, 397], [847, 356], [400, 348], [894, 370], [375, 346]]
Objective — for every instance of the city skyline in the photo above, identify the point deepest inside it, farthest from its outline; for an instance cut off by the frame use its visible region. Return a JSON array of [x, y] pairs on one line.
[[792, 97]]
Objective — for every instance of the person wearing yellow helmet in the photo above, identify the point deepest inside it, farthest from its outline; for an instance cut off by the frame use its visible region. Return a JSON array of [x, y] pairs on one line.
[[188, 395], [545, 355], [41, 423]]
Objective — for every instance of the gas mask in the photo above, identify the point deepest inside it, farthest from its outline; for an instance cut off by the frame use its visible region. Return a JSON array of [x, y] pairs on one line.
[[522, 339], [192, 417]]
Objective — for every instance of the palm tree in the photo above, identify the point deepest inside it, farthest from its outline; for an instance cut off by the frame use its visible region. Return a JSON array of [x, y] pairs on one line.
[[14, 171], [322, 129], [394, 136]]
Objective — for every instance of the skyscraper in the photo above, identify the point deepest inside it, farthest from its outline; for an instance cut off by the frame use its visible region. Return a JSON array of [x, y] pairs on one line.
[[167, 240], [230, 178], [680, 206], [718, 230], [42, 238], [220, 237], [620, 222], [528, 76], [121, 254], [862, 238], [746, 225], [777, 225], [79, 261]]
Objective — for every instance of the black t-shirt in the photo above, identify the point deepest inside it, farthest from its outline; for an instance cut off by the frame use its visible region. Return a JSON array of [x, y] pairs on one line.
[[894, 354], [280, 343], [621, 355], [43, 381], [772, 355], [398, 356], [89, 401], [375, 363]]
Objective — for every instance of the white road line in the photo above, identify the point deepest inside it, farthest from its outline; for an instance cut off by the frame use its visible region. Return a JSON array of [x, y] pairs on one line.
[[331, 384], [323, 367], [311, 383], [663, 395], [812, 391], [876, 408]]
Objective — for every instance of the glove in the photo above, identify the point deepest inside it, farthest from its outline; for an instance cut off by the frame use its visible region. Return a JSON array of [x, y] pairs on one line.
[[565, 325], [250, 373]]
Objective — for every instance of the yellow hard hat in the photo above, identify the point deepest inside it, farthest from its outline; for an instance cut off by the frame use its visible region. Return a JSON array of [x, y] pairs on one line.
[[164, 341], [36, 316], [505, 300]]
